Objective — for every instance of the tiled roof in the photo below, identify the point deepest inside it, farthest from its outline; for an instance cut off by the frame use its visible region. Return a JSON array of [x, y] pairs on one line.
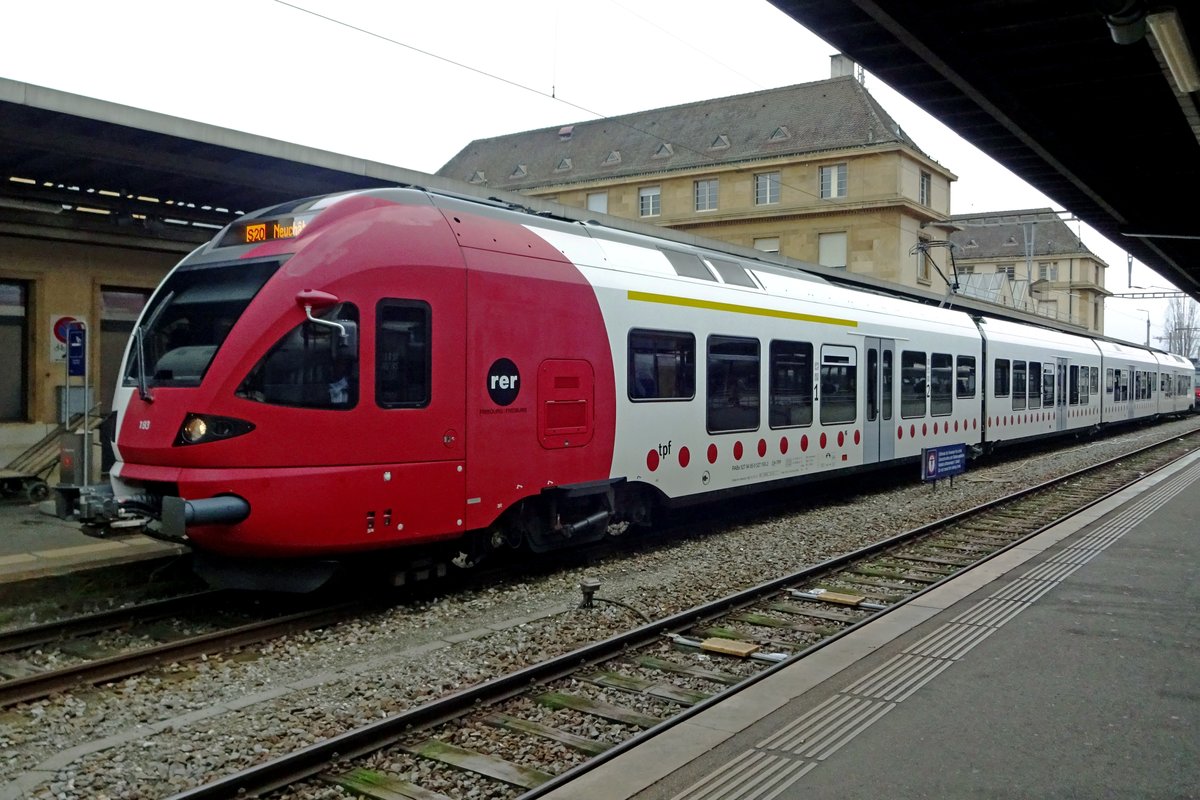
[[1000, 235], [807, 118]]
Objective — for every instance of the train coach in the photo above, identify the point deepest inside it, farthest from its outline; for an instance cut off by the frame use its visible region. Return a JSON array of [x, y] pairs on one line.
[[374, 377]]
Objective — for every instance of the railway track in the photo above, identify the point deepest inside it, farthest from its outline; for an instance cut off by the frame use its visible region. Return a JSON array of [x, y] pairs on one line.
[[525, 733], [38, 660]]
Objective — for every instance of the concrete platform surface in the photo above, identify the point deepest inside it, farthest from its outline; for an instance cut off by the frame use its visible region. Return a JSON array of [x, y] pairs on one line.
[[1067, 667], [34, 543]]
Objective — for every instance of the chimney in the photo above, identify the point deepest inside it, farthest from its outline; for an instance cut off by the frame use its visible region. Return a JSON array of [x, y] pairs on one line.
[[840, 66]]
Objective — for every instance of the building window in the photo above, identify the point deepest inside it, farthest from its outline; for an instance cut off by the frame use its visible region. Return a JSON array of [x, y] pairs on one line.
[[1048, 271], [966, 269], [766, 188], [833, 181], [769, 244], [1007, 269], [924, 273], [598, 202], [13, 333], [926, 187], [706, 195], [831, 250], [650, 201]]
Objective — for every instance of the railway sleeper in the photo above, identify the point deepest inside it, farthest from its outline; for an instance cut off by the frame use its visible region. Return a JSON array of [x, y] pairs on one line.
[[763, 621], [815, 613], [636, 685], [666, 665], [942, 560], [860, 588], [920, 565], [899, 575], [598, 708], [879, 583], [381, 786], [592, 747], [479, 763]]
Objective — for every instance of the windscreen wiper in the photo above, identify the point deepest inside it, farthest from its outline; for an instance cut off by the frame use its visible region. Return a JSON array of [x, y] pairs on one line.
[[139, 335]]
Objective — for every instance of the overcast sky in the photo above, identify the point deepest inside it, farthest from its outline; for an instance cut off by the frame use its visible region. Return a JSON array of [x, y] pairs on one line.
[[411, 84]]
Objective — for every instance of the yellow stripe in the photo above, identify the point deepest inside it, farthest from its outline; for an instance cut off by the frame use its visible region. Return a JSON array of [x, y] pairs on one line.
[[666, 299]]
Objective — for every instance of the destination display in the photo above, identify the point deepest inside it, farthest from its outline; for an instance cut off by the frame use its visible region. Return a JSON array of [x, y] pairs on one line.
[[259, 231]]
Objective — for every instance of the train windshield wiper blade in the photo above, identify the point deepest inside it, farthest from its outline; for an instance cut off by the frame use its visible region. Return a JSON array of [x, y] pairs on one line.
[[139, 336]]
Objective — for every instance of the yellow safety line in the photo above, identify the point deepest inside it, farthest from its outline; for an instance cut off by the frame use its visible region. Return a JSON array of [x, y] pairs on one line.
[[666, 299]]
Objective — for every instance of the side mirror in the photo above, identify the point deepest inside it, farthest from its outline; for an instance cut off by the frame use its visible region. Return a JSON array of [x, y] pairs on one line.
[[346, 343], [312, 298]]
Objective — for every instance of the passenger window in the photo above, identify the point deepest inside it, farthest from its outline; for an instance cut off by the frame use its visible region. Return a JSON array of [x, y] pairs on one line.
[[733, 384], [311, 366], [1073, 391], [839, 384], [1018, 385], [965, 380], [912, 384], [1048, 386], [1108, 381], [403, 361], [1095, 380], [791, 388], [662, 365], [1035, 384], [1002, 377], [941, 384]]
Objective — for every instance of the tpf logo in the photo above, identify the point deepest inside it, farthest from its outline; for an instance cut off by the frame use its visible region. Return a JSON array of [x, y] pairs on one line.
[[503, 382]]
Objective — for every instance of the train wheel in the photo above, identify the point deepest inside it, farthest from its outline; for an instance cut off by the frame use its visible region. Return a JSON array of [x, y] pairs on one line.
[[37, 491], [476, 546]]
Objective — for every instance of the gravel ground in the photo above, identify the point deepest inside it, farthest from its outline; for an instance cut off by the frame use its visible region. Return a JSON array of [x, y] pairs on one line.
[[162, 732]]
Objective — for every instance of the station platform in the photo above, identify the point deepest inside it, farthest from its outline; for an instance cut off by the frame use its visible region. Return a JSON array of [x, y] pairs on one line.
[[1066, 667], [34, 543]]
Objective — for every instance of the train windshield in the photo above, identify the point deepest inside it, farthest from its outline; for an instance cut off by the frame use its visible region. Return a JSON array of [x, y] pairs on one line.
[[188, 319]]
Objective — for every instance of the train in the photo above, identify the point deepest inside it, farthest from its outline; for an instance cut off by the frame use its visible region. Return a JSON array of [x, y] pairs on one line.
[[405, 381]]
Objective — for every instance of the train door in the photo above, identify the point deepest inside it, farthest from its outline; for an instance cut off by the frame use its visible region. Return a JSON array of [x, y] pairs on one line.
[[1060, 394], [1127, 385], [878, 444]]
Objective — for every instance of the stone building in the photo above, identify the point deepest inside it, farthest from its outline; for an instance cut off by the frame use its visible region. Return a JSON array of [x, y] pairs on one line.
[[1030, 260], [819, 172]]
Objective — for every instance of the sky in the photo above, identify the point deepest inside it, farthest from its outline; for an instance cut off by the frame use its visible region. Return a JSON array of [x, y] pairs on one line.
[[411, 84]]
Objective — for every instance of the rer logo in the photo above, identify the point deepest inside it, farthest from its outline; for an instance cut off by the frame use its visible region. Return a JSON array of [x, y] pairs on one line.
[[503, 382]]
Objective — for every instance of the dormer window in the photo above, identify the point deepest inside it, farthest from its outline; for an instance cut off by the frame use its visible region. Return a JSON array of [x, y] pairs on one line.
[[780, 134], [477, 177], [664, 151], [563, 165], [521, 171], [719, 143], [614, 157], [565, 133]]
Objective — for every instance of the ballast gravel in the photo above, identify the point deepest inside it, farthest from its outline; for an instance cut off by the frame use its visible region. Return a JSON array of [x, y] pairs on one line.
[[186, 724]]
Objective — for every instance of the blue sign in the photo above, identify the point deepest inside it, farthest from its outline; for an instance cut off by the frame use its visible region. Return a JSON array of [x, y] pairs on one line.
[[943, 462], [76, 350]]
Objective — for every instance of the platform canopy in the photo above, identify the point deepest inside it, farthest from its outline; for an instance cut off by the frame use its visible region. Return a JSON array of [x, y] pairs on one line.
[[1108, 129]]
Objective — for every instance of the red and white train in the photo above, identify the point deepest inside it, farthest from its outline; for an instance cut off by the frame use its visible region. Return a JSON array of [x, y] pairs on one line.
[[374, 373]]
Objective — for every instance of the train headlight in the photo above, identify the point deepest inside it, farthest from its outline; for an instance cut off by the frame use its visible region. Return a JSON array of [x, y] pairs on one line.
[[201, 428], [194, 430]]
